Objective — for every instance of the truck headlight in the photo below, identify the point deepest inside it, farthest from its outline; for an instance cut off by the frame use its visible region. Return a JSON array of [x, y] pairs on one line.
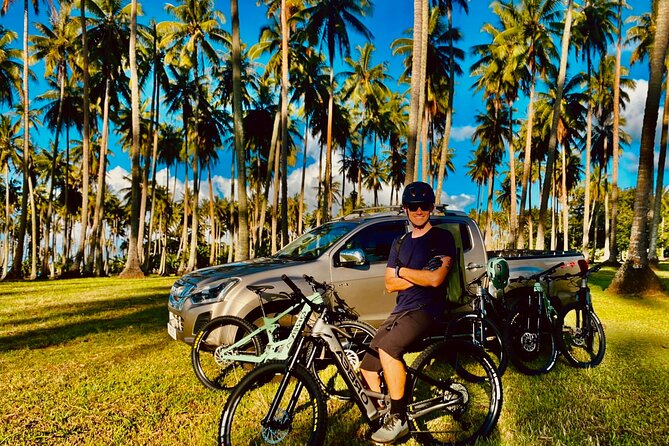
[[213, 292]]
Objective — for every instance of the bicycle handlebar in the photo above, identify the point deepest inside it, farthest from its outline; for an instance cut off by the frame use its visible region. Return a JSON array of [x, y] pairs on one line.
[[539, 276]]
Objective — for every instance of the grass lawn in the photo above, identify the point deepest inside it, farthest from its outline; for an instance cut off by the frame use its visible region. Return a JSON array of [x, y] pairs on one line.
[[89, 362]]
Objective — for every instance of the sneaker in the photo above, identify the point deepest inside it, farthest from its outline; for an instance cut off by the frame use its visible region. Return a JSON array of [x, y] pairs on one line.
[[393, 428]]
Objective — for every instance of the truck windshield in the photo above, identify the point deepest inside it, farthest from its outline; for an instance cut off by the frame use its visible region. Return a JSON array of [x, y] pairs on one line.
[[314, 243]]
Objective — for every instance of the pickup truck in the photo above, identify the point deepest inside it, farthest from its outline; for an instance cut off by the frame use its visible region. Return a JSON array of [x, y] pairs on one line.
[[351, 253]]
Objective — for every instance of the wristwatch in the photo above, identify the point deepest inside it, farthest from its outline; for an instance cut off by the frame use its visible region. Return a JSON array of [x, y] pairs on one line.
[[397, 271]]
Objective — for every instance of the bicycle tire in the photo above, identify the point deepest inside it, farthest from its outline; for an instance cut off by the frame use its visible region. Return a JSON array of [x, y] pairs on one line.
[[223, 375], [471, 404], [324, 368], [241, 421], [580, 336], [468, 326], [533, 352]]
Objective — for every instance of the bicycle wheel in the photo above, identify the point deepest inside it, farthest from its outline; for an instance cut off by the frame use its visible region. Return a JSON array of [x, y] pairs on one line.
[[532, 348], [482, 332], [324, 368], [581, 336], [217, 373], [300, 416], [452, 404]]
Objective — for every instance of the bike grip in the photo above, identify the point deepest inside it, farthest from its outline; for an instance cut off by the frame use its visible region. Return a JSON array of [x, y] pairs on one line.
[[290, 283]]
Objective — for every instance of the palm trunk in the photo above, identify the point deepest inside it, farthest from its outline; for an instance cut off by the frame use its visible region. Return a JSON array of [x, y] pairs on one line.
[[588, 144], [50, 251], [565, 206], [79, 257], [613, 246], [527, 163], [23, 219], [659, 185], [327, 177], [414, 108], [154, 156], [635, 275], [300, 217], [446, 137], [96, 244], [552, 141], [132, 267], [284, 122]]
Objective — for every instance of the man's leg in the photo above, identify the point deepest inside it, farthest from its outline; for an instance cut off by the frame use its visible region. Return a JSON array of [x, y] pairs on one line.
[[395, 375]]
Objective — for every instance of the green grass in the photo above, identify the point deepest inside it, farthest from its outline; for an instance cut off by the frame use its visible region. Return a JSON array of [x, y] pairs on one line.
[[89, 362]]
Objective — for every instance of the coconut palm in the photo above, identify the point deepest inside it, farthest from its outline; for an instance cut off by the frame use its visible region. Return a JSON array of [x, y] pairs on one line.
[[447, 7], [491, 133], [27, 74], [194, 34], [592, 34], [328, 21], [366, 84], [642, 35], [54, 45], [635, 275]]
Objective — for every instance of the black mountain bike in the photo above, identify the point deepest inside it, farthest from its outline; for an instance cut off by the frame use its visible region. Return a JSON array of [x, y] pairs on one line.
[[532, 340], [478, 327], [580, 333], [454, 395]]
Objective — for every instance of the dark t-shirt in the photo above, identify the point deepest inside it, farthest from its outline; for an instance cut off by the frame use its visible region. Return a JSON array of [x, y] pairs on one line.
[[414, 253]]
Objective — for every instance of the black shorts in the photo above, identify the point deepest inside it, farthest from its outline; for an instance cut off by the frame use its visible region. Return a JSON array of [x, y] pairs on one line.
[[396, 334]]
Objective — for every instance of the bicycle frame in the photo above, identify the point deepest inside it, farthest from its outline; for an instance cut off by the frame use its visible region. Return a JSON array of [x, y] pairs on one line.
[[275, 349]]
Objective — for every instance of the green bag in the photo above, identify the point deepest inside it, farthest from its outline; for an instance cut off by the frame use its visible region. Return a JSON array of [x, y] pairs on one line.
[[456, 276]]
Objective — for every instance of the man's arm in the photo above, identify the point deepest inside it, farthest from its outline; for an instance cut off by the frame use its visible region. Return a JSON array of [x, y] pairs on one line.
[[424, 277], [395, 284]]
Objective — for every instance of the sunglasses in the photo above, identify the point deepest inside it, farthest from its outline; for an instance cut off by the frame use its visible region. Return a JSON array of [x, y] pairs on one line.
[[425, 207]]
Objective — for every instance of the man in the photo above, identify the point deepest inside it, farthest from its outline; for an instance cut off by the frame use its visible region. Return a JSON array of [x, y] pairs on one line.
[[418, 264]]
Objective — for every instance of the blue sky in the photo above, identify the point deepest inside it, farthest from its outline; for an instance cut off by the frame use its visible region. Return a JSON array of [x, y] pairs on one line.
[[388, 22]]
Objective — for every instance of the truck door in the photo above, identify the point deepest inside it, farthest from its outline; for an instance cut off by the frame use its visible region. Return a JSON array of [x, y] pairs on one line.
[[363, 287]]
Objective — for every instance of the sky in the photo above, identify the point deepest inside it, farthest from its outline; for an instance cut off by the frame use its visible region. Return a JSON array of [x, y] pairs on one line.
[[389, 21]]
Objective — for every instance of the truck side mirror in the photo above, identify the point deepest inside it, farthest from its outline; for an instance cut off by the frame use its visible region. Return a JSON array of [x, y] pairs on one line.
[[352, 257]]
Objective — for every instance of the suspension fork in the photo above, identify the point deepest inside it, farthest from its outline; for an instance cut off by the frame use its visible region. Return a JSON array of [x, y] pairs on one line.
[[283, 386]]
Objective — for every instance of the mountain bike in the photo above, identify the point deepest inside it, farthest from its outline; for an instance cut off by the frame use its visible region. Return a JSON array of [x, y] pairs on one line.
[[228, 347], [454, 394], [478, 327], [580, 333], [532, 342]]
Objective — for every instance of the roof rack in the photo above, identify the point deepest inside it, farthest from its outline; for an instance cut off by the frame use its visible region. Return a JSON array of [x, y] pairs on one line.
[[372, 210], [396, 208]]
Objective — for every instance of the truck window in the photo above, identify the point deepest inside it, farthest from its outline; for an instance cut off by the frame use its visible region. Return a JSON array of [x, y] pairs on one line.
[[376, 240]]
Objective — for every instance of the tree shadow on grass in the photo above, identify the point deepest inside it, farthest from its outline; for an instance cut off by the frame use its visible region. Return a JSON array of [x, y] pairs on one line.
[[146, 313]]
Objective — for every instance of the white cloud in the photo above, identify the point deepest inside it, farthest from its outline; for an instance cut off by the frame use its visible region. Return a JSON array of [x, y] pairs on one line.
[[463, 133], [117, 180], [634, 112]]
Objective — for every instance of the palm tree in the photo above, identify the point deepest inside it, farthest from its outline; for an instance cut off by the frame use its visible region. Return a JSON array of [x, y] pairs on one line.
[[132, 266], [592, 35], [366, 83], [552, 140], [491, 133], [242, 251], [18, 252], [327, 22], [613, 246], [197, 29], [54, 46], [447, 5], [526, 29], [8, 149], [635, 275], [642, 34]]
